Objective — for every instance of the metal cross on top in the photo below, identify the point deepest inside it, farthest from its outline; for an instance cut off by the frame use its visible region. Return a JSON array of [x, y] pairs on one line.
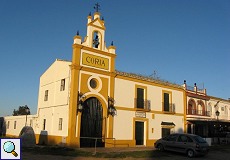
[[97, 7]]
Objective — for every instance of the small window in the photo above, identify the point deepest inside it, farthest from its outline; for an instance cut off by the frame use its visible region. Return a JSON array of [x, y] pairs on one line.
[[60, 124], [8, 124], [31, 123], [62, 85], [46, 95], [44, 124], [15, 124]]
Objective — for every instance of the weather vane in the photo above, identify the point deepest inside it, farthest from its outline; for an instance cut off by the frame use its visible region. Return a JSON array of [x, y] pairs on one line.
[[97, 7]]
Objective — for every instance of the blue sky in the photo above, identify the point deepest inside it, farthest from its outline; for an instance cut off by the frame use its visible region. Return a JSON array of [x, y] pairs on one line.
[[179, 39]]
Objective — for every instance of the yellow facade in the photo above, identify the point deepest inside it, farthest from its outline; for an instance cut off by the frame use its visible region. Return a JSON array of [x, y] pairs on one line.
[[93, 77], [98, 63]]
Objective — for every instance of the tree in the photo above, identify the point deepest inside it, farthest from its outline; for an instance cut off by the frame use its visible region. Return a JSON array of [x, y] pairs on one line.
[[22, 110]]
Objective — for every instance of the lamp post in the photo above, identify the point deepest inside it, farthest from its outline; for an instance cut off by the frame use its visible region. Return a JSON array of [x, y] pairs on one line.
[[217, 115], [27, 109]]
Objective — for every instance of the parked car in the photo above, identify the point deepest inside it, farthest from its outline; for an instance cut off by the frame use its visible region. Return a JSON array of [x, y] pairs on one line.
[[189, 144]]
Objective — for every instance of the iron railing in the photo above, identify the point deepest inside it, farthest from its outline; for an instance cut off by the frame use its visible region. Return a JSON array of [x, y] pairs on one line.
[[142, 104], [198, 112], [169, 107], [190, 88]]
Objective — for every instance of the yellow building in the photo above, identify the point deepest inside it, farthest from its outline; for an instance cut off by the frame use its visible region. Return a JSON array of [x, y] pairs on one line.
[[87, 99], [120, 108]]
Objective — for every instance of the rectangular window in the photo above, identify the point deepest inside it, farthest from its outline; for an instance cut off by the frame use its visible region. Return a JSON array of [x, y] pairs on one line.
[[166, 102], [44, 124], [167, 105], [15, 124], [62, 85], [46, 95], [8, 124], [60, 124], [31, 123], [140, 98]]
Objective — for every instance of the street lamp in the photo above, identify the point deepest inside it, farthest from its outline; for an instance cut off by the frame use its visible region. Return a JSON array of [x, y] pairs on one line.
[[111, 109], [27, 109], [217, 115], [80, 102]]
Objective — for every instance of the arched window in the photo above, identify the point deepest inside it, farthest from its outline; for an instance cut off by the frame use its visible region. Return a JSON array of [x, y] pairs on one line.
[[191, 107], [96, 39], [201, 107]]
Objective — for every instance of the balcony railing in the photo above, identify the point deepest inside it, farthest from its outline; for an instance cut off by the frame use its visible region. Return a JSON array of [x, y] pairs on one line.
[[198, 112], [142, 104], [190, 88], [169, 107], [195, 89]]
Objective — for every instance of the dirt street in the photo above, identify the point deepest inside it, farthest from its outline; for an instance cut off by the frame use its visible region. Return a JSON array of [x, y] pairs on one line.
[[216, 153]]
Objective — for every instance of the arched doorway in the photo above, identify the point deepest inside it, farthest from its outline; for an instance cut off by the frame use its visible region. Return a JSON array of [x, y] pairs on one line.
[[91, 123]]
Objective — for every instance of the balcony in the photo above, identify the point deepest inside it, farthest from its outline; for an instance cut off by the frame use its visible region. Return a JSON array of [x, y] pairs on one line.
[[198, 112], [169, 107], [142, 104]]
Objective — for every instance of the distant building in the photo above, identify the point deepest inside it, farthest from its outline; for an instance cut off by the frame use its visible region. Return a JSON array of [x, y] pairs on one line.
[[87, 99], [206, 115]]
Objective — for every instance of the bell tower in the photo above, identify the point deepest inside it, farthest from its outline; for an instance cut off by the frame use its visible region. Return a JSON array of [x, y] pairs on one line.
[[95, 37], [92, 77]]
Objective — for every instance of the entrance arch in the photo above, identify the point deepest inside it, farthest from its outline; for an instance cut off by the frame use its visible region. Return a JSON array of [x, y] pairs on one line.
[[91, 123]]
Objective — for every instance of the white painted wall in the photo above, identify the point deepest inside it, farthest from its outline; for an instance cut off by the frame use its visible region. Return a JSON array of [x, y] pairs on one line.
[[20, 123], [51, 81], [156, 124], [123, 125], [125, 94], [57, 105], [124, 97]]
